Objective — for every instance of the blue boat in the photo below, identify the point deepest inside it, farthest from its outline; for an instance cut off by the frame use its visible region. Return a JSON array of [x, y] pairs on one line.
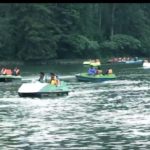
[[140, 61], [95, 78]]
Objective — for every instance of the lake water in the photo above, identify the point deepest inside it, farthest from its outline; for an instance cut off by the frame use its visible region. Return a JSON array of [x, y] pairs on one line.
[[113, 115]]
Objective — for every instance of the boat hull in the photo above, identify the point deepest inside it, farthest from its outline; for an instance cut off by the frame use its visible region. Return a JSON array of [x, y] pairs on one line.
[[9, 78], [134, 62], [42, 89], [94, 78]]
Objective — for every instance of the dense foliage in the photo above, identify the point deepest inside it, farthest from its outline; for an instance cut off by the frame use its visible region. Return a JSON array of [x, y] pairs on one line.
[[32, 31]]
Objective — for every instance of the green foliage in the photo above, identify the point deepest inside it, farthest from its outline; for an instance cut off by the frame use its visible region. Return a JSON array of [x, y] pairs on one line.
[[122, 44], [76, 45], [68, 30], [126, 42]]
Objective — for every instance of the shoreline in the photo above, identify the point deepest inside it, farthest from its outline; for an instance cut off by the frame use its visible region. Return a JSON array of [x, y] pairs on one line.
[[55, 61]]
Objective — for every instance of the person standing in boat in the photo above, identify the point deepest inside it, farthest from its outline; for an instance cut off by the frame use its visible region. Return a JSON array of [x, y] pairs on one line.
[[91, 70]]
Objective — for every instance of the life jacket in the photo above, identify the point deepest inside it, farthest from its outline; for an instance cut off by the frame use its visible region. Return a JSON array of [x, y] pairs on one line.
[[53, 82], [110, 71]]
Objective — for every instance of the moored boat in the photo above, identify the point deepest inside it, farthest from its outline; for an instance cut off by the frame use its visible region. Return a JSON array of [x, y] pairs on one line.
[[10, 78], [94, 78], [38, 89]]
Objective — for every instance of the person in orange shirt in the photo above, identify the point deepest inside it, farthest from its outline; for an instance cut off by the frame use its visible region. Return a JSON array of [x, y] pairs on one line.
[[6, 71]]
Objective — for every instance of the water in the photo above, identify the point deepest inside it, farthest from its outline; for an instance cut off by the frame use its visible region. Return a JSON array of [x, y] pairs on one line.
[[111, 115]]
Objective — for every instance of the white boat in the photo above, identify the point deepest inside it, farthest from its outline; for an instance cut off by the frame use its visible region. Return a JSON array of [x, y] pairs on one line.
[[146, 64], [38, 89]]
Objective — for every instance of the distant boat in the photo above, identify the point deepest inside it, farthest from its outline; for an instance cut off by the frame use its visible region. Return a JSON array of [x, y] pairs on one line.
[[94, 78], [126, 60], [9, 78], [94, 63], [146, 64], [140, 61]]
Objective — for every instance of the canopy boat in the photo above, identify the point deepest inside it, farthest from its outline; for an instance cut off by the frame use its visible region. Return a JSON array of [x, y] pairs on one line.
[[146, 64], [94, 78], [38, 89], [10, 78], [86, 62], [92, 63]]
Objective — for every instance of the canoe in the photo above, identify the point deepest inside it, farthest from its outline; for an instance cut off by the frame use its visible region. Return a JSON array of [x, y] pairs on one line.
[[9, 78], [146, 65], [95, 64], [94, 78], [39, 89]]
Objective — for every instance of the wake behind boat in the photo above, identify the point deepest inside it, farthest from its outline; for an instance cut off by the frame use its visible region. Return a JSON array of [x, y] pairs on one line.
[[38, 89], [94, 78]]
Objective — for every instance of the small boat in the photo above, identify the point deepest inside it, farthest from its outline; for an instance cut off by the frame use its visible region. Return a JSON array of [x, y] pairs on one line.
[[146, 64], [10, 78], [38, 89], [125, 60], [94, 63], [140, 61], [86, 63], [94, 78]]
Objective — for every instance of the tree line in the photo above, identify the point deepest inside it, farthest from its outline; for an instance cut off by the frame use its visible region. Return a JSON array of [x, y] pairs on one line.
[[32, 31]]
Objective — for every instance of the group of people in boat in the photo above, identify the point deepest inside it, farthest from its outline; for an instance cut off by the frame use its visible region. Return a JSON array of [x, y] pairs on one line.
[[6, 71], [54, 80], [98, 71], [122, 59]]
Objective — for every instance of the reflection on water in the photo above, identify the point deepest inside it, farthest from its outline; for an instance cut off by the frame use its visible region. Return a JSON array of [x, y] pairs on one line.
[[108, 115]]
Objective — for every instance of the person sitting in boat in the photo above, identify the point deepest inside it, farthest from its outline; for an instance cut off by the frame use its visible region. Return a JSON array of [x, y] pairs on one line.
[[16, 71], [91, 71], [6, 71], [108, 71], [41, 78], [2, 71], [54, 80], [98, 71]]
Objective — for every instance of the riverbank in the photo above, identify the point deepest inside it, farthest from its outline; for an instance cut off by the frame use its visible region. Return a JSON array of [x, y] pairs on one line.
[[11, 63], [44, 62], [41, 62]]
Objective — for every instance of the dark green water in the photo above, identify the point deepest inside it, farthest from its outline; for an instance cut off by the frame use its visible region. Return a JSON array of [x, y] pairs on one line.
[[111, 115]]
